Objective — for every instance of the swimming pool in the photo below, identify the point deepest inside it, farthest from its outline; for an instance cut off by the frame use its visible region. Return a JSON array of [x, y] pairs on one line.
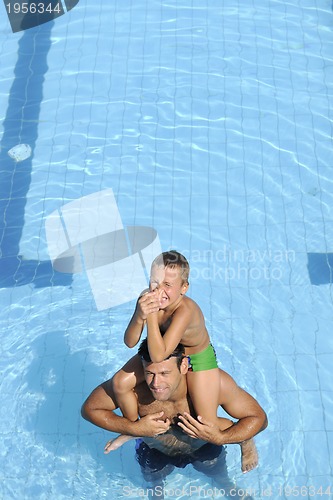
[[209, 123]]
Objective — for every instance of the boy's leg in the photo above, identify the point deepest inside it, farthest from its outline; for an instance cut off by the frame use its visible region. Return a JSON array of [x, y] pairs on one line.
[[204, 388], [206, 403], [123, 383], [117, 442]]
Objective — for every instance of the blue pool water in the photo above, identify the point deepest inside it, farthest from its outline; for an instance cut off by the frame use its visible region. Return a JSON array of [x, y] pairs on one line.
[[210, 124]]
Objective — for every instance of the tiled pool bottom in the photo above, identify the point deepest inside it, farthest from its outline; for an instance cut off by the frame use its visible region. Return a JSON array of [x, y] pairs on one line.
[[212, 125]]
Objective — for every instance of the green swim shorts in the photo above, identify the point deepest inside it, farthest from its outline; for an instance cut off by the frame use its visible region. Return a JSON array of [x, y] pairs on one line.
[[204, 360]]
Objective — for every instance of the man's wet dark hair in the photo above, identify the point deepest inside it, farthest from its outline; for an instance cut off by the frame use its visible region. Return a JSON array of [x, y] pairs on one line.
[[178, 353]]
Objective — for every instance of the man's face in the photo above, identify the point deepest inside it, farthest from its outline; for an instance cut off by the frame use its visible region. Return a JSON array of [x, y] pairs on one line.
[[164, 378], [168, 283]]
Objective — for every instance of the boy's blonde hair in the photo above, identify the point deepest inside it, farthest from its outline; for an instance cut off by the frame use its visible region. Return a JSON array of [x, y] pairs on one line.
[[174, 259]]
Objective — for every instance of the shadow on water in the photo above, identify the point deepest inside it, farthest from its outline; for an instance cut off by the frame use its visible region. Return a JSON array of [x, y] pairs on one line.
[[320, 268], [59, 376], [20, 126], [61, 380]]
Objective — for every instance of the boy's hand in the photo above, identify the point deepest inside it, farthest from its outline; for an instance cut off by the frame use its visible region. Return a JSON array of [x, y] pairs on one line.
[[148, 304]]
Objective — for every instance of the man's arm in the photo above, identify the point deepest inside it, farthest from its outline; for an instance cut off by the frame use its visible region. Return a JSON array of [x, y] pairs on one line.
[[251, 418], [99, 410]]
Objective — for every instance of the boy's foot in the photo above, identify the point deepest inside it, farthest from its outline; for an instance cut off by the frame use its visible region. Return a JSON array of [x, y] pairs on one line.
[[249, 455], [116, 443]]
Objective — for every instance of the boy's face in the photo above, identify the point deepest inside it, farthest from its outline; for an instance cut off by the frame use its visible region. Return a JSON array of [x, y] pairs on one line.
[[167, 281]]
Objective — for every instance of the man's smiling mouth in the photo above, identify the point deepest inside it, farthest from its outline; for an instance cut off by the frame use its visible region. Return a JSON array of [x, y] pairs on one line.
[[158, 391]]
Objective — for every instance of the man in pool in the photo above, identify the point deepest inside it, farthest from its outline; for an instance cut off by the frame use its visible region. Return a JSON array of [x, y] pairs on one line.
[[167, 426]]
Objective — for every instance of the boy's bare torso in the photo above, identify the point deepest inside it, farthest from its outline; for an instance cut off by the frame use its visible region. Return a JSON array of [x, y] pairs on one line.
[[195, 338]]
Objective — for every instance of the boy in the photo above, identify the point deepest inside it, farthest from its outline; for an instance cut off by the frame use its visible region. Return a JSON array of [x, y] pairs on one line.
[[171, 318]]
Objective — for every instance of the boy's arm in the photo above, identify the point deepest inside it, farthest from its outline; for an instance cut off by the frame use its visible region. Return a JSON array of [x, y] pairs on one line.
[[160, 347], [134, 330], [137, 323], [99, 410]]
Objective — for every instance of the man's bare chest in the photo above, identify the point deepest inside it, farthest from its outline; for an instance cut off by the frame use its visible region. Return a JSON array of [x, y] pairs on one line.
[[171, 409]]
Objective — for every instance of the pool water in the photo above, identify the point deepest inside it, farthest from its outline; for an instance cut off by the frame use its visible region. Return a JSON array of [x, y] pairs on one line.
[[200, 126]]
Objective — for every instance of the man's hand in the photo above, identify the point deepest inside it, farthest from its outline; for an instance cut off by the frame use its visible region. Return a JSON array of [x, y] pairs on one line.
[[152, 425], [199, 429], [148, 426]]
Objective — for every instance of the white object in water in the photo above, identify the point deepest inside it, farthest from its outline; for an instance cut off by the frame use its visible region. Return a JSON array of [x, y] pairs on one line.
[[20, 152]]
